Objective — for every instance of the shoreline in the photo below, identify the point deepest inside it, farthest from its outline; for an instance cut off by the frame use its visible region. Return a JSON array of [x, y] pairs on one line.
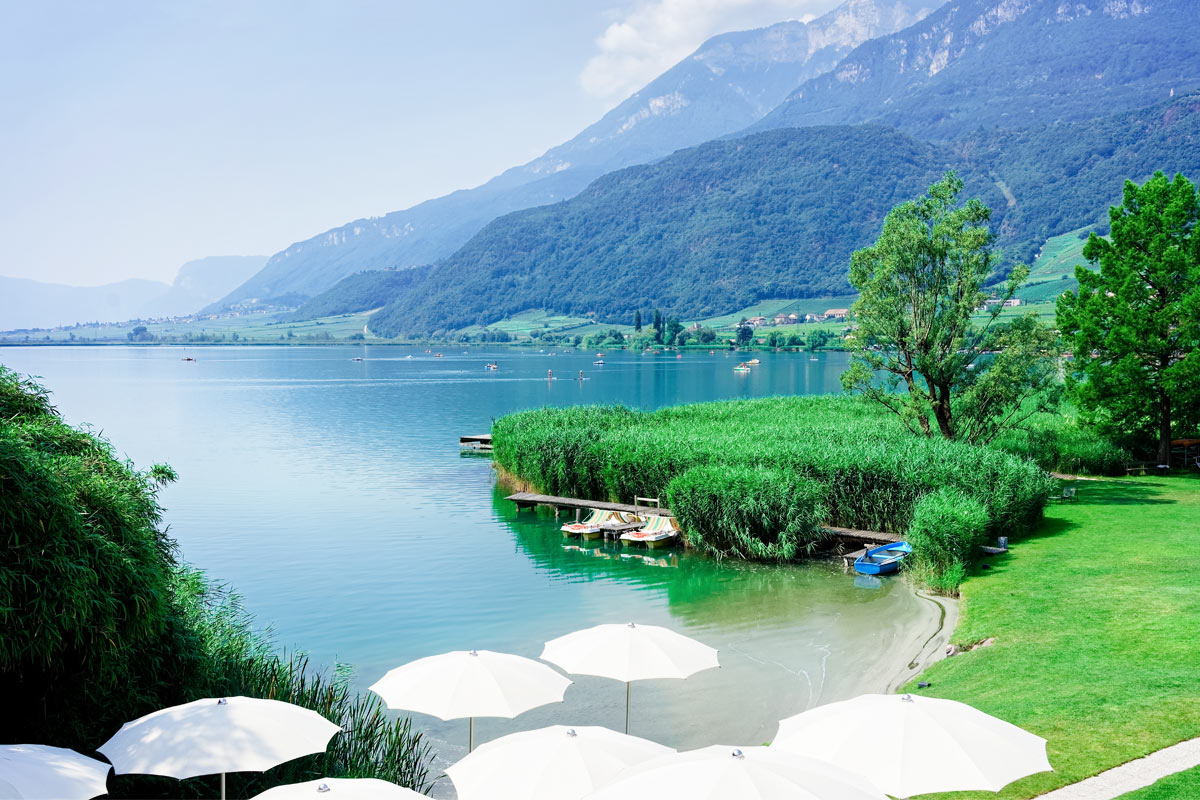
[[942, 619], [920, 644]]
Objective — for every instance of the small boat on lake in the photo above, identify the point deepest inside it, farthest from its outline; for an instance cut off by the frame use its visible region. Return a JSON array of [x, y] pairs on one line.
[[741, 368], [754, 362], [592, 527], [659, 531], [188, 358], [491, 365], [599, 363], [882, 560], [357, 358]]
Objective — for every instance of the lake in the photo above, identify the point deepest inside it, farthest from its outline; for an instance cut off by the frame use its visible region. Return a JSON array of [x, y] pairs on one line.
[[331, 494]]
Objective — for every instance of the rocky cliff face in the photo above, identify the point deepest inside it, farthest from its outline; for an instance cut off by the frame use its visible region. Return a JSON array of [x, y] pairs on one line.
[[1007, 63], [728, 83]]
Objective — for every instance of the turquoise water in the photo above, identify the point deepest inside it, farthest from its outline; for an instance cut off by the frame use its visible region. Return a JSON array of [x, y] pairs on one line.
[[332, 495]]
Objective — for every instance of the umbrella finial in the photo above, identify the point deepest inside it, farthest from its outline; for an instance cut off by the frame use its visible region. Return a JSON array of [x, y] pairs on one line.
[[223, 702], [906, 699], [572, 732], [632, 625], [324, 787], [474, 652], [738, 754]]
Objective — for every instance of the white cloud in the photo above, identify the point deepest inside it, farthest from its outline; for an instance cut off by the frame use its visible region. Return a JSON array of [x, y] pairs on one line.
[[656, 34]]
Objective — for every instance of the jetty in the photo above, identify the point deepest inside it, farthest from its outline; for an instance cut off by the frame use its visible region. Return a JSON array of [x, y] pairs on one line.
[[530, 500], [482, 441]]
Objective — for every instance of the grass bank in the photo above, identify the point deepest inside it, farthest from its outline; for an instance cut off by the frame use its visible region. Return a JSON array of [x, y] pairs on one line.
[[1095, 643]]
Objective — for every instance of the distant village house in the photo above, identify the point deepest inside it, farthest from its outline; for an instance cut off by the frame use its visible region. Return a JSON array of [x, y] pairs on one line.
[[837, 313]]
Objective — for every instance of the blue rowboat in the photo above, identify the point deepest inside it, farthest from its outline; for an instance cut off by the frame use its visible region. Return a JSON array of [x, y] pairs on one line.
[[882, 560]]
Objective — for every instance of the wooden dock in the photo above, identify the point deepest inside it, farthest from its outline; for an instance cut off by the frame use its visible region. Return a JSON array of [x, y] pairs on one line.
[[482, 441], [529, 500]]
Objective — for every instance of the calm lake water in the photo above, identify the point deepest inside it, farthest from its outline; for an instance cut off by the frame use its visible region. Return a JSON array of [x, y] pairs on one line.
[[332, 496]]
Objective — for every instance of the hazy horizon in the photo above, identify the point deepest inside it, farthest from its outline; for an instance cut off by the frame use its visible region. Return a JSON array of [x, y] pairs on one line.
[[146, 136]]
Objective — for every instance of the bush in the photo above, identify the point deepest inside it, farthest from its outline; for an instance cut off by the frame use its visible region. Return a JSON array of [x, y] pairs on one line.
[[1059, 444], [871, 470], [101, 623], [946, 529], [748, 512]]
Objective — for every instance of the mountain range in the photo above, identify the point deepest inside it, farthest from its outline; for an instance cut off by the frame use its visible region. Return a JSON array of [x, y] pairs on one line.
[[1008, 64], [28, 303], [754, 167], [1029, 99], [726, 224], [729, 82]]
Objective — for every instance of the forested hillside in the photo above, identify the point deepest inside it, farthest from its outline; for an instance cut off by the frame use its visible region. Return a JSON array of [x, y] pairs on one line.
[[705, 231], [777, 214], [359, 292], [729, 82]]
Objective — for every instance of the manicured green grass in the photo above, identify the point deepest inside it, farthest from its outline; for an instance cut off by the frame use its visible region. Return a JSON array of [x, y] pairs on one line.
[[1181, 785], [1095, 621]]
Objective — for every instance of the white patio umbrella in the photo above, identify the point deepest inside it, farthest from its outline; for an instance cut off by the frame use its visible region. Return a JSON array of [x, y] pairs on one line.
[[342, 789], [471, 683], [749, 773], [555, 763], [38, 771], [909, 744], [211, 736], [630, 653]]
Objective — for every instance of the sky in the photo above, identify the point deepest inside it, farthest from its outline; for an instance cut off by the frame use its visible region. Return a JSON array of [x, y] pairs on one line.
[[138, 135]]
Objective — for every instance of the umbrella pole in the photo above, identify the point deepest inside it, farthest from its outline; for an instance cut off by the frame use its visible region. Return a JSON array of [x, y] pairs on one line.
[[471, 735], [222, 786], [626, 706]]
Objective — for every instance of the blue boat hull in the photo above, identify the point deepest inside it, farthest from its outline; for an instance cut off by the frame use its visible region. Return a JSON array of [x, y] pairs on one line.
[[882, 560]]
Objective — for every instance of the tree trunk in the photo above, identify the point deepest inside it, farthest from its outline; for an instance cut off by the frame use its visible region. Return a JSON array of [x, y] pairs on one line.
[[1164, 429], [922, 420], [942, 413]]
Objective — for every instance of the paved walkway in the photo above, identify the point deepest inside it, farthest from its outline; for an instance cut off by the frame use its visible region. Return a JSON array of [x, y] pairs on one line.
[[1133, 775]]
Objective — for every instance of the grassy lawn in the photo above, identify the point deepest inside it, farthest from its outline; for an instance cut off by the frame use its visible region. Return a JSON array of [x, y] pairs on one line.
[[1174, 787], [1096, 644]]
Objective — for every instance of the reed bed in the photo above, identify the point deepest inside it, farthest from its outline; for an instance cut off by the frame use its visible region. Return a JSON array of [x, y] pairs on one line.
[[791, 464]]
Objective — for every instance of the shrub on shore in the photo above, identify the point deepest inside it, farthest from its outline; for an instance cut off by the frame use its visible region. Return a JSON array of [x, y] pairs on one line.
[[748, 512], [947, 526], [871, 471], [102, 624], [1058, 444]]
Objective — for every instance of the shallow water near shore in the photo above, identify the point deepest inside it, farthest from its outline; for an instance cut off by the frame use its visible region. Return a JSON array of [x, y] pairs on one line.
[[332, 496]]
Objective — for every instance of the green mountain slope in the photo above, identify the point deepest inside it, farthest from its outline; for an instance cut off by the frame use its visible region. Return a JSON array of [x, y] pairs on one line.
[[361, 291], [729, 82], [777, 214], [702, 232]]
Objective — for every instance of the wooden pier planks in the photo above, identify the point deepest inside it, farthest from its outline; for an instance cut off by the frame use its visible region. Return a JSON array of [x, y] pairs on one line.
[[530, 499]]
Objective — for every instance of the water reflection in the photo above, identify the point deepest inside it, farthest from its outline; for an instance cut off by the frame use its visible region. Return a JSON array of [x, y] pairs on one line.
[[332, 495]]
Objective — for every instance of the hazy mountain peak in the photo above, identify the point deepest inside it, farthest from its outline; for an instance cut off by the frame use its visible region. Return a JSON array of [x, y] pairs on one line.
[[1010, 63], [730, 81]]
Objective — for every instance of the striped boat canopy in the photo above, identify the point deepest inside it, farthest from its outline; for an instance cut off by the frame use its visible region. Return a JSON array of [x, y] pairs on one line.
[[660, 524]]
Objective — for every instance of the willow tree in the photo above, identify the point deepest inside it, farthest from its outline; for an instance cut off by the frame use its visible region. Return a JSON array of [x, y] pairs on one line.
[[918, 350], [1135, 323]]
